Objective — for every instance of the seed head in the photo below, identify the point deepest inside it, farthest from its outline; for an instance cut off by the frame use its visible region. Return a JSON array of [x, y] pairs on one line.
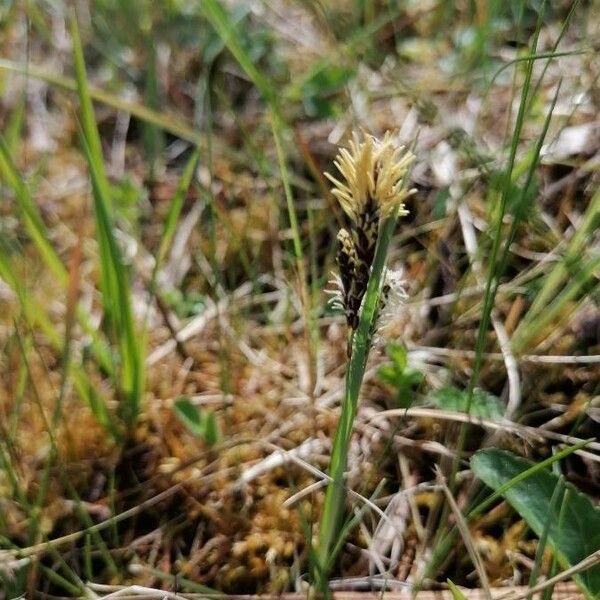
[[374, 173]]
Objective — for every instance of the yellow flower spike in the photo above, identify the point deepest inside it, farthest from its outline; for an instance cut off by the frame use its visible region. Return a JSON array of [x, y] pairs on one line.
[[373, 170]]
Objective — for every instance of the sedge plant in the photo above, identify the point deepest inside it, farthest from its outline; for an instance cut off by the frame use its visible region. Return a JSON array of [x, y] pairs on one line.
[[372, 194]]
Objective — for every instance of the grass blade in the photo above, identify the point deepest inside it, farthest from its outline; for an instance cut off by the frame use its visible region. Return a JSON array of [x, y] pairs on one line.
[[116, 298], [175, 210], [88, 119], [30, 214], [116, 293]]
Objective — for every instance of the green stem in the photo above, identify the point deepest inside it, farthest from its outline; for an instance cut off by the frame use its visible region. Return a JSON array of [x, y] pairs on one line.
[[361, 344]]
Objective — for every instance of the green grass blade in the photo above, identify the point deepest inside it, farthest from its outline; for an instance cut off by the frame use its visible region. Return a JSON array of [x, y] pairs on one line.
[[277, 132], [36, 316], [557, 497], [37, 231], [31, 216], [116, 293], [579, 277], [561, 273], [175, 210], [33, 312], [88, 119], [14, 127], [532, 162], [61, 582], [219, 19], [116, 298], [179, 582], [494, 271]]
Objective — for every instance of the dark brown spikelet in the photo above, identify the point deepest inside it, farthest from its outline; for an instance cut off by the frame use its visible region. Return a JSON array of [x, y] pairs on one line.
[[365, 239], [355, 259], [346, 260]]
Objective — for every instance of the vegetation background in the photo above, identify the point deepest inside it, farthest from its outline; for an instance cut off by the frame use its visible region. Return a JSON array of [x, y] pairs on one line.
[[170, 370]]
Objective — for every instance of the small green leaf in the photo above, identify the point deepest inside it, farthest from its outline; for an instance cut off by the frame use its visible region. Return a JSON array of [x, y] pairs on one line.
[[200, 423], [211, 434], [573, 528], [327, 80], [398, 354], [483, 405], [189, 414], [389, 374], [400, 376], [455, 591], [317, 91], [440, 202]]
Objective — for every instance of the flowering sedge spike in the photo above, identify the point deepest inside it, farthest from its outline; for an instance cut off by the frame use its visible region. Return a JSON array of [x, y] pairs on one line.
[[372, 190]]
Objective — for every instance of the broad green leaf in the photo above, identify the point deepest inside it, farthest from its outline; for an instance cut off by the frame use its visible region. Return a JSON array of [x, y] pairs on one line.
[[573, 528], [483, 405]]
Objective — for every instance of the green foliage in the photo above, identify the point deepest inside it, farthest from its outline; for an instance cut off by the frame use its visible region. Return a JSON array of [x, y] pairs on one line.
[[448, 540], [123, 49], [555, 501], [222, 22], [114, 276], [214, 44], [173, 214], [483, 405], [455, 591], [184, 305], [565, 282], [202, 423], [441, 201], [361, 345], [520, 197], [400, 376], [573, 526], [508, 204], [318, 91], [30, 213]]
